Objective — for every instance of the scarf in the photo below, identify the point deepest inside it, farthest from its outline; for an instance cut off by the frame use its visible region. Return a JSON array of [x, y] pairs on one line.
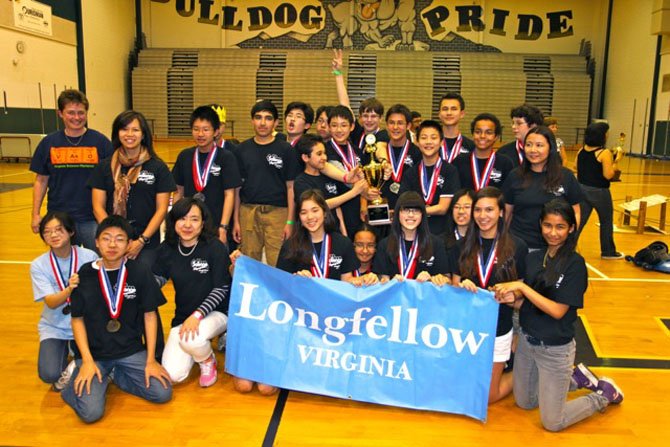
[[122, 181]]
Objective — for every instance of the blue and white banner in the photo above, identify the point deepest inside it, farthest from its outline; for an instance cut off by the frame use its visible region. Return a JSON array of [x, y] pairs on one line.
[[404, 344]]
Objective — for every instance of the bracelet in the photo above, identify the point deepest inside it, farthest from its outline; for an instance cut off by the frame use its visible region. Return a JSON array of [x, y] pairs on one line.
[[142, 238], [198, 315], [344, 179], [337, 72], [225, 226], [289, 222]]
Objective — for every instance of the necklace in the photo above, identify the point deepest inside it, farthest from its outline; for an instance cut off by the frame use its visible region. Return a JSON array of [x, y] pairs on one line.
[[186, 254], [81, 137]]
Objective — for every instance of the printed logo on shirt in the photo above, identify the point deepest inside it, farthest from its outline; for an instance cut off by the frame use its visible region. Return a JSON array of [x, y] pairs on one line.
[[331, 188], [129, 292], [464, 150], [560, 280], [61, 156], [146, 177], [430, 262], [215, 170], [200, 265], [496, 176], [275, 160], [440, 181], [409, 162], [559, 192], [335, 261]]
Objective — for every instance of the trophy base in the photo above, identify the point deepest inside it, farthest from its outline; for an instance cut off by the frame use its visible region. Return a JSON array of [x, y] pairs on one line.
[[379, 214]]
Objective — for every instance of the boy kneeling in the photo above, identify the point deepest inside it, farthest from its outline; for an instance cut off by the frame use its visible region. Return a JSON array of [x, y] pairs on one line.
[[114, 305]]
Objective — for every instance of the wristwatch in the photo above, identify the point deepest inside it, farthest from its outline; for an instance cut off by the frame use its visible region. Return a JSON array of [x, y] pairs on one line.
[[145, 240], [225, 226]]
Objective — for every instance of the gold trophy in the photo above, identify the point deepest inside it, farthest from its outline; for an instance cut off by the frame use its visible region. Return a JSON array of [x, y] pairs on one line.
[[378, 209]]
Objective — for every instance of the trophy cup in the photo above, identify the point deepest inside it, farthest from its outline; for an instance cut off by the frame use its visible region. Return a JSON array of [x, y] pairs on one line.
[[378, 209]]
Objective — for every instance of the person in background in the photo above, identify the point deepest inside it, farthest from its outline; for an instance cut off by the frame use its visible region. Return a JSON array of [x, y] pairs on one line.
[[552, 123]]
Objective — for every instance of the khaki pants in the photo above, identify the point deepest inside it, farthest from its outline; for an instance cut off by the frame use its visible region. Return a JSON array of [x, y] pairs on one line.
[[262, 226]]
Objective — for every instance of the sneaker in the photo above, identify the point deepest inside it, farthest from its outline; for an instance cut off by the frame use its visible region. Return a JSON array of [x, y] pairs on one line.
[[65, 377], [208, 372], [613, 256], [609, 390], [584, 377]]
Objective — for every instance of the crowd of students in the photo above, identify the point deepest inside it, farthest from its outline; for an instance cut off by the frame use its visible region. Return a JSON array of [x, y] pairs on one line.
[[462, 215]]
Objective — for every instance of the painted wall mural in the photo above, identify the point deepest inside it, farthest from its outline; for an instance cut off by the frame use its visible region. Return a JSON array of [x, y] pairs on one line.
[[400, 25]]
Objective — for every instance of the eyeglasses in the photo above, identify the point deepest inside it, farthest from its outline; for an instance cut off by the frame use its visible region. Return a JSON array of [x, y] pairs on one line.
[[519, 123], [53, 232], [117, 240], [410, 211], [362, 245], [462, 207]]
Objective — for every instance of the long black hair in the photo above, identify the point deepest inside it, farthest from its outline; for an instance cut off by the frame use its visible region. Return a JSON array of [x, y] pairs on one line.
[[300, 243], [410, 199], [551, 273], [127, 117], [554, 166], [181, 209], [449, 236], [506, 266]]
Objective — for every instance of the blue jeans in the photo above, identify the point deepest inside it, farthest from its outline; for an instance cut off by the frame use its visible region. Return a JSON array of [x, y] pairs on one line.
[[52, 359], [601, 200], [85, 234], [128, 376], [542, 378]]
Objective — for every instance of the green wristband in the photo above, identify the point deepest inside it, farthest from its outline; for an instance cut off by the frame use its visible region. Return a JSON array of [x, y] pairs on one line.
[[337, 72], [289, 222]]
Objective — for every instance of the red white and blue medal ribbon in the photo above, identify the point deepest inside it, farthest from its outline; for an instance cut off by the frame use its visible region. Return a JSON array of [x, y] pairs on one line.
[[113, 296], [349, 159], [429, 186], [481, 181], [200, 176], [295, 141], [407, 261], [55, 267], [457, 235], [519, 151], [397, 165], [484, 270], [320, 265], [455, 149]]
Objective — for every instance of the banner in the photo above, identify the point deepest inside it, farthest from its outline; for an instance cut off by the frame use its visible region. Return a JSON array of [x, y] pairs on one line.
[[404, 344]]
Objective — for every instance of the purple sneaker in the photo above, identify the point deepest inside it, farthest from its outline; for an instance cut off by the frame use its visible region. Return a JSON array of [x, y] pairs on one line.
[[208, 372], [609, 390], [585, 377]]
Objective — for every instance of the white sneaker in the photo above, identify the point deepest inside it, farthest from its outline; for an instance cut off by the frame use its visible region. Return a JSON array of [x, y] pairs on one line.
[[65, 377]]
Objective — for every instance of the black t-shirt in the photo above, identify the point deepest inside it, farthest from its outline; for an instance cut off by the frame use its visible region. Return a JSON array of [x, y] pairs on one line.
[[223, 175], [329, 187], [342, 258], [351, 209], [447, 184], [502, 166], [411, 161], [265, 169], [467, 146], [387, 264], [528, 202], [154, 178], [336, 159], [569, 289], [509, 150], [141, 295], [357, 138], [69, 168], [520, 252], [194, 276]]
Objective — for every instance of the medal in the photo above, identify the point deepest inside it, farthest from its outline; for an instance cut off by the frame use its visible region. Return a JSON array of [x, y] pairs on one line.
[[60, 280], [397, 165], [395, 187], [483, 180], [407, 261], [200, 196], [113, 326], [484, 270], [201, 175], [429, 186], [449, 156], [348, 159], [320, 265], [113, 296], [519, 151]]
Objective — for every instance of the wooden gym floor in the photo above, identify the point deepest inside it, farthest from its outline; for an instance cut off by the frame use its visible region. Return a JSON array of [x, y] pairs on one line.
[[624, 333]]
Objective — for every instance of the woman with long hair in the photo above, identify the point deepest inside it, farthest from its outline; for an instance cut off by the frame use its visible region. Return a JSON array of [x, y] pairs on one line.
[[410, 251], [596, 166], [365, 247], [458, 217], [197, 262], [133, 183], [556, 280], [54, 277], [490, 254], [540, 178]]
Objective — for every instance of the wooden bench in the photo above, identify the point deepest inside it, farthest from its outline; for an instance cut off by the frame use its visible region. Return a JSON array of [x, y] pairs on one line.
[[641, 205]]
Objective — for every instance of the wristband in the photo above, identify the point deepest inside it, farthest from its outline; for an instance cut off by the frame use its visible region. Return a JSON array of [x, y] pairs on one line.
[[337, 72], [142, 238], [289, 222], [198, 315], [225, 226], [344, 179]]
